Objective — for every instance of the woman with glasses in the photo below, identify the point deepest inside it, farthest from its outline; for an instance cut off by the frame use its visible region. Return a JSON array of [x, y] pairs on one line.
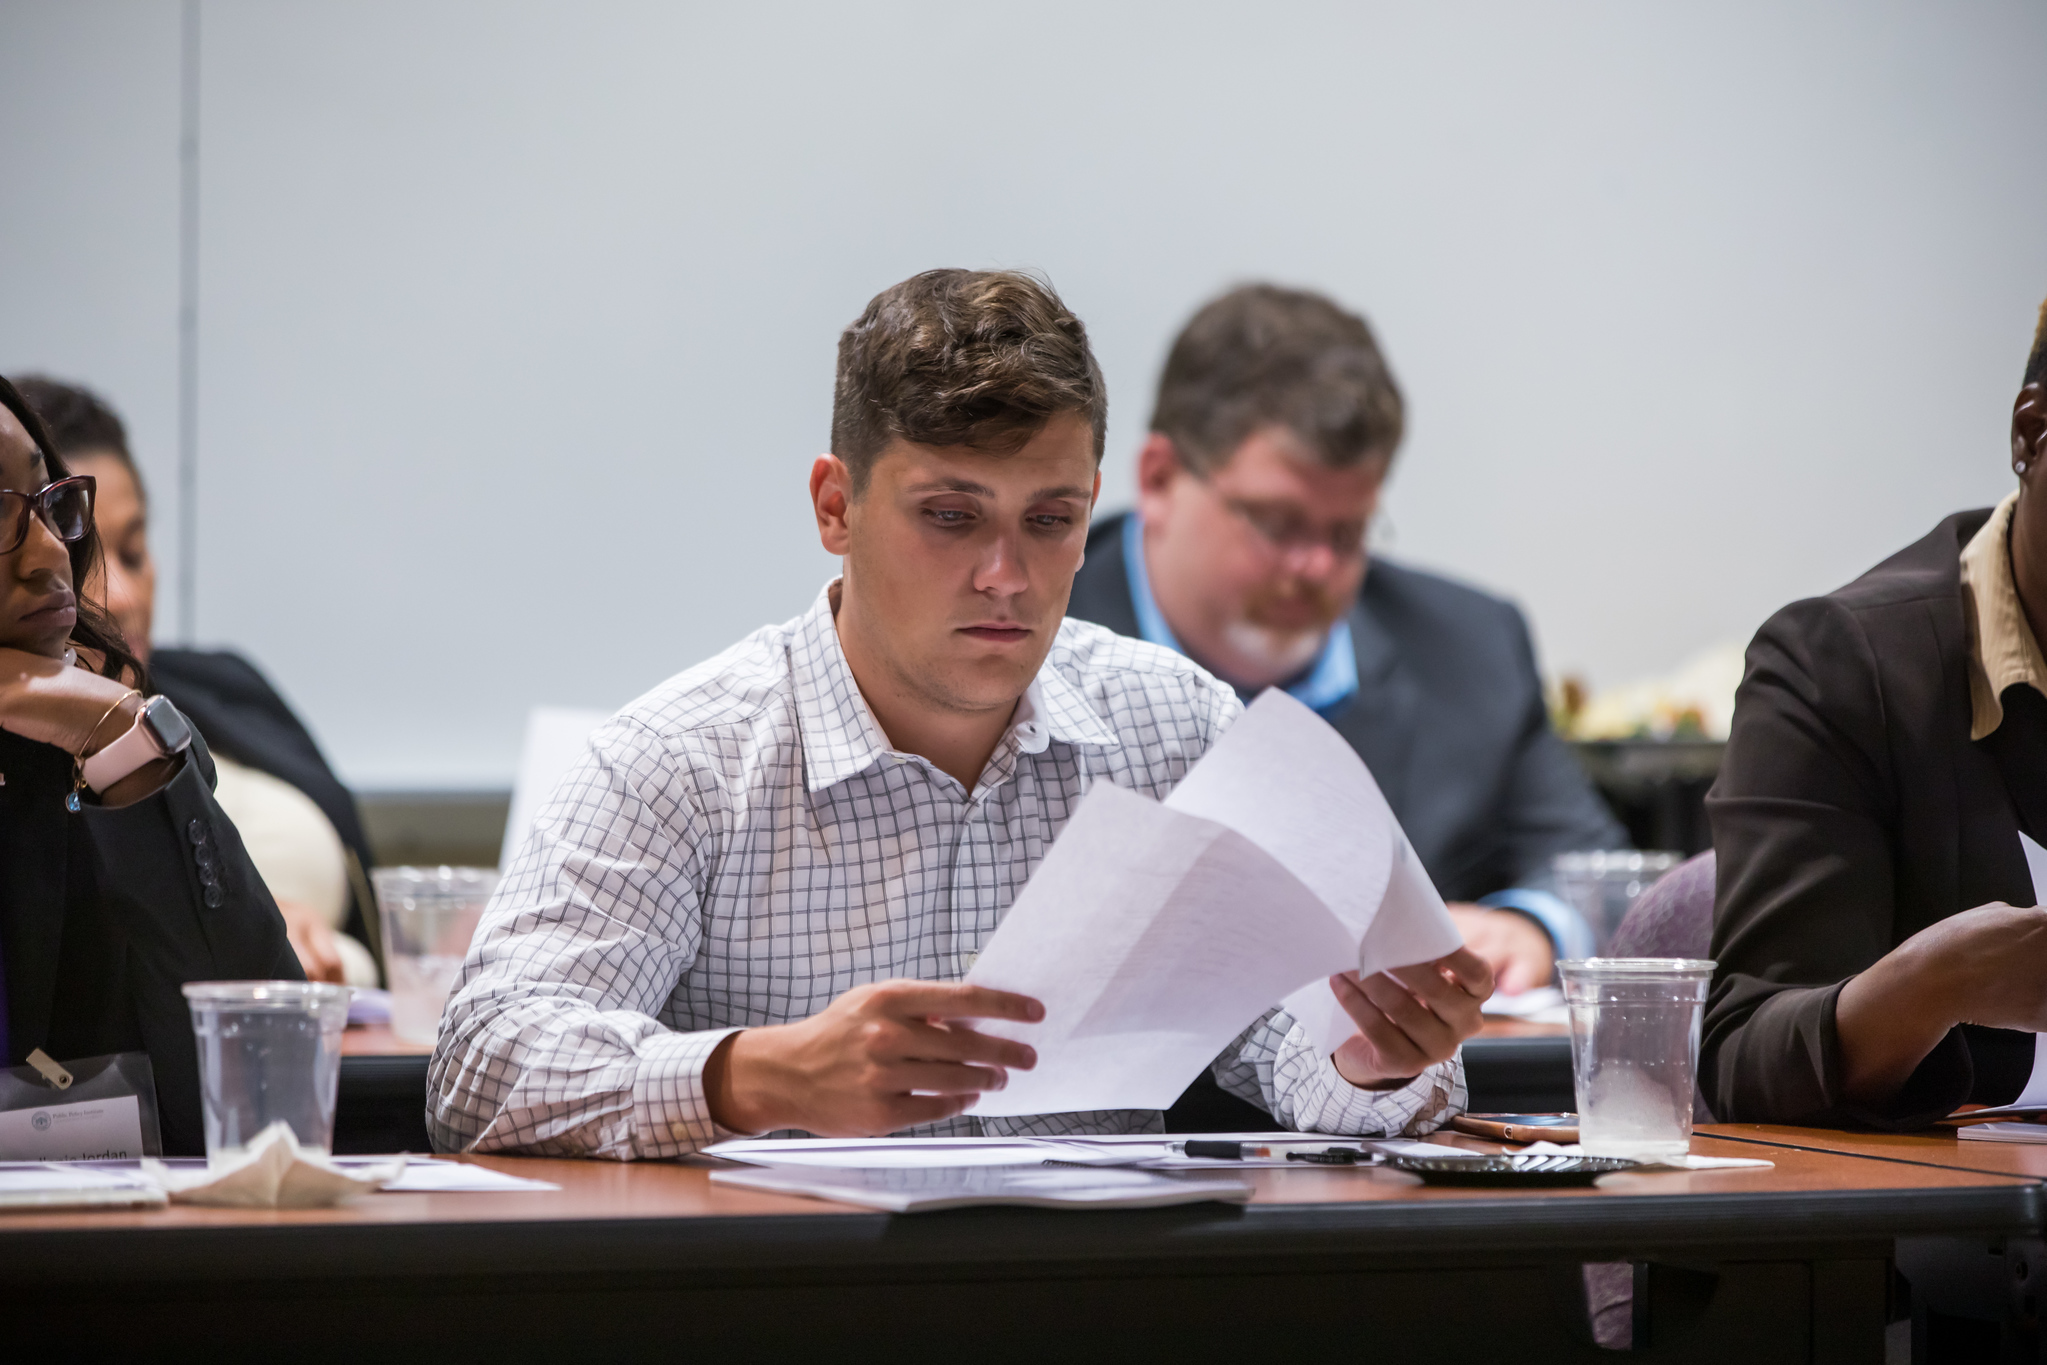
[[299, 822], [120, 878]]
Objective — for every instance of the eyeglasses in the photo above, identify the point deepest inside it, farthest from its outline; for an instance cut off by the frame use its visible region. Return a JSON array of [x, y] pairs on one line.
[[64, 506], [1287, 531]]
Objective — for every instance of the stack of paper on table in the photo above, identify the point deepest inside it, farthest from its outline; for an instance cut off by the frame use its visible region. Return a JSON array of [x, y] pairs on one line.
[[2003, 1132], [921, 1189], [1154, 933], [1147, 1150], [57, 1185]]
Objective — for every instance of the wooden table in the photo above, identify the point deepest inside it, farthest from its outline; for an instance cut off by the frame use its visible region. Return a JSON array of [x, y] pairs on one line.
[[1784, 1264]]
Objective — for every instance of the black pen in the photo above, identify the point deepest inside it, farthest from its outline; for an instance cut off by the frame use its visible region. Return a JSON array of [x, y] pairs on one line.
[[1219, 1150]]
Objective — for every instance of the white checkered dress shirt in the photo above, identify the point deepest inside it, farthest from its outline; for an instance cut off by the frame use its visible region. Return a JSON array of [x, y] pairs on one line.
[[741, 845]]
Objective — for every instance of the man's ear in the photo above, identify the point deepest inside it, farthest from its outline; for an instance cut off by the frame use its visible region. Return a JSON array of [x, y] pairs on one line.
[[2029, 427], [831, 497], [1158, 464]]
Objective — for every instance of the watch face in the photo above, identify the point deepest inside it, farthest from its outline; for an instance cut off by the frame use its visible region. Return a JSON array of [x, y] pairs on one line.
[[173, 733]]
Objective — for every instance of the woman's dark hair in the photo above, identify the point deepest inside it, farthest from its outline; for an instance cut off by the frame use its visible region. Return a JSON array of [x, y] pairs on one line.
[[95, 630], [79, 422]]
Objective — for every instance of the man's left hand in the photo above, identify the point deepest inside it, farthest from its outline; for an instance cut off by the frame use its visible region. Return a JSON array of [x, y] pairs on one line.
[[1512, 944], [1409, 1018]]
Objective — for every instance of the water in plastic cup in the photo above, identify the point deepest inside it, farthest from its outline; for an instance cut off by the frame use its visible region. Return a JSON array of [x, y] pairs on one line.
[[1634, 1051], [429, 915], [268, 1051], [1601, 884]]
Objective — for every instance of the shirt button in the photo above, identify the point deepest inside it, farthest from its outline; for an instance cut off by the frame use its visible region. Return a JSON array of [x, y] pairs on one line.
[[196, 832], [213, 898]]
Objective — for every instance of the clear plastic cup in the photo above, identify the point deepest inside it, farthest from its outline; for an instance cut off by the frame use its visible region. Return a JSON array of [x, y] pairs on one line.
[[429, 915], [268, 1051], [1602, 883], [1634, 1051]]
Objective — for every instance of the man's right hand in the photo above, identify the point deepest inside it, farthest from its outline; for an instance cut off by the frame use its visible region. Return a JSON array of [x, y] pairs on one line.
[[879, 1058]]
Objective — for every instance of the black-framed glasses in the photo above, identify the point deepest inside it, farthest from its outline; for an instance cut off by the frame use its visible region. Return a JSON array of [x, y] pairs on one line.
[[1285, 530], [64, 506]]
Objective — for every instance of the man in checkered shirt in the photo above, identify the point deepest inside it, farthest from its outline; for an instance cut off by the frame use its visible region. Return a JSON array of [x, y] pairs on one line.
[[749, 907]]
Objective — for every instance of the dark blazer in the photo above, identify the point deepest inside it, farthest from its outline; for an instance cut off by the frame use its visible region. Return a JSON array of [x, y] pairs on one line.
[[1449, 716], [105, 914], [243, 718], [1853, 810]]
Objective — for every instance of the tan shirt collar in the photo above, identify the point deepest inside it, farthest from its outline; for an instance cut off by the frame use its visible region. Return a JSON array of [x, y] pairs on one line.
[[2002, 650]]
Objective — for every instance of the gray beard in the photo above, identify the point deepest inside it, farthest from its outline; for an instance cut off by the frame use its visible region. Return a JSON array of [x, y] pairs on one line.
[[1283, 652]]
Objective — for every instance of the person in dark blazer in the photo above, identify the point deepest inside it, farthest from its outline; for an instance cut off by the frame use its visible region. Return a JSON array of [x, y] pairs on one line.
[[120, 877], [299, 821], [1882, 957], [1275, 426]]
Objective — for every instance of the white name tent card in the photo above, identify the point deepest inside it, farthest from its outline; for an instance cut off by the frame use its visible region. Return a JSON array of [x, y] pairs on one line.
[[1154, 933], [73, 1130]]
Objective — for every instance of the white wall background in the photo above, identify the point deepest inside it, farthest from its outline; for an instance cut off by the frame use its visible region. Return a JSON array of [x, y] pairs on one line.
[[516, 319]]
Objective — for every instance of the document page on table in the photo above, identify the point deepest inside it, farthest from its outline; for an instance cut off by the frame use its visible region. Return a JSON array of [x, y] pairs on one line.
[[1155, 933]]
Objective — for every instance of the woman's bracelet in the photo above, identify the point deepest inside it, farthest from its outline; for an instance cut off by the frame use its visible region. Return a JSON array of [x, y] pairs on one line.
[[119, 702], [78, 783]]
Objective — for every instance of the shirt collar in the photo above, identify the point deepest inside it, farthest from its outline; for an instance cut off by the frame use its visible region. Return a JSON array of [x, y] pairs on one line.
[[1327, 685], [841, 737], [2002, 650]]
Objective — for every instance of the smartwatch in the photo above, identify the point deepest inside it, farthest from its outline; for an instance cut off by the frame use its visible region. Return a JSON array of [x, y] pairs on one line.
[[159, 731]]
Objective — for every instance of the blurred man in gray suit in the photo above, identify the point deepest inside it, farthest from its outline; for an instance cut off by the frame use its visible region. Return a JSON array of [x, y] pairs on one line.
[[1275, 427]]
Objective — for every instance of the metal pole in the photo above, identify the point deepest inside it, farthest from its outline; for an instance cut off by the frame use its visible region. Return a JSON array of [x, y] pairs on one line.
[[188, 326]]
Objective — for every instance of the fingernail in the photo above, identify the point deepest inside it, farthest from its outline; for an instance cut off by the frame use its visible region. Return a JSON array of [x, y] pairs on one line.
[[1001, 1081], [1030, 1058]]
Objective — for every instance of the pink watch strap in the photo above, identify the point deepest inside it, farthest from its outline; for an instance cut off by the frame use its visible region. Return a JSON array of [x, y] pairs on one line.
[[133, 749]]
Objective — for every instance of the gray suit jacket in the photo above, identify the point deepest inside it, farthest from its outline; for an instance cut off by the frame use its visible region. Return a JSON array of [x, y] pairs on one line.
[[1449, 716]]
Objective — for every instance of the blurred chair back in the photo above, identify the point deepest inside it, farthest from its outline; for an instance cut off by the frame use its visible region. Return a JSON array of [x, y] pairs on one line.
[[1673, 918]]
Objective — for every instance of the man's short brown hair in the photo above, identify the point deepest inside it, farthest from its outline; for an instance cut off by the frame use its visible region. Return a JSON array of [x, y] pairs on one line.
[[1261, 356], [980, 358]]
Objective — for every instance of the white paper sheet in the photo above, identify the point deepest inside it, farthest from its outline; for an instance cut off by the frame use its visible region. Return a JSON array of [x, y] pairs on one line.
[[40, 1185], [1109, 1149], [1152, 938], [914, 1191], [424, 1175], [903, 1153], [1155, 933], [1412, 925], [2036, 1084], [1286, 780]]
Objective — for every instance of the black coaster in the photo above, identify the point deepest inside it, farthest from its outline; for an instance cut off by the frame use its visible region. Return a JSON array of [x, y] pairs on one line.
[[1510, 1169]]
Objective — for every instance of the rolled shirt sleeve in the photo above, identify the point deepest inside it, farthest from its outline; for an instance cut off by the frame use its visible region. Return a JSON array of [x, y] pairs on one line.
[[1273, 1065]]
